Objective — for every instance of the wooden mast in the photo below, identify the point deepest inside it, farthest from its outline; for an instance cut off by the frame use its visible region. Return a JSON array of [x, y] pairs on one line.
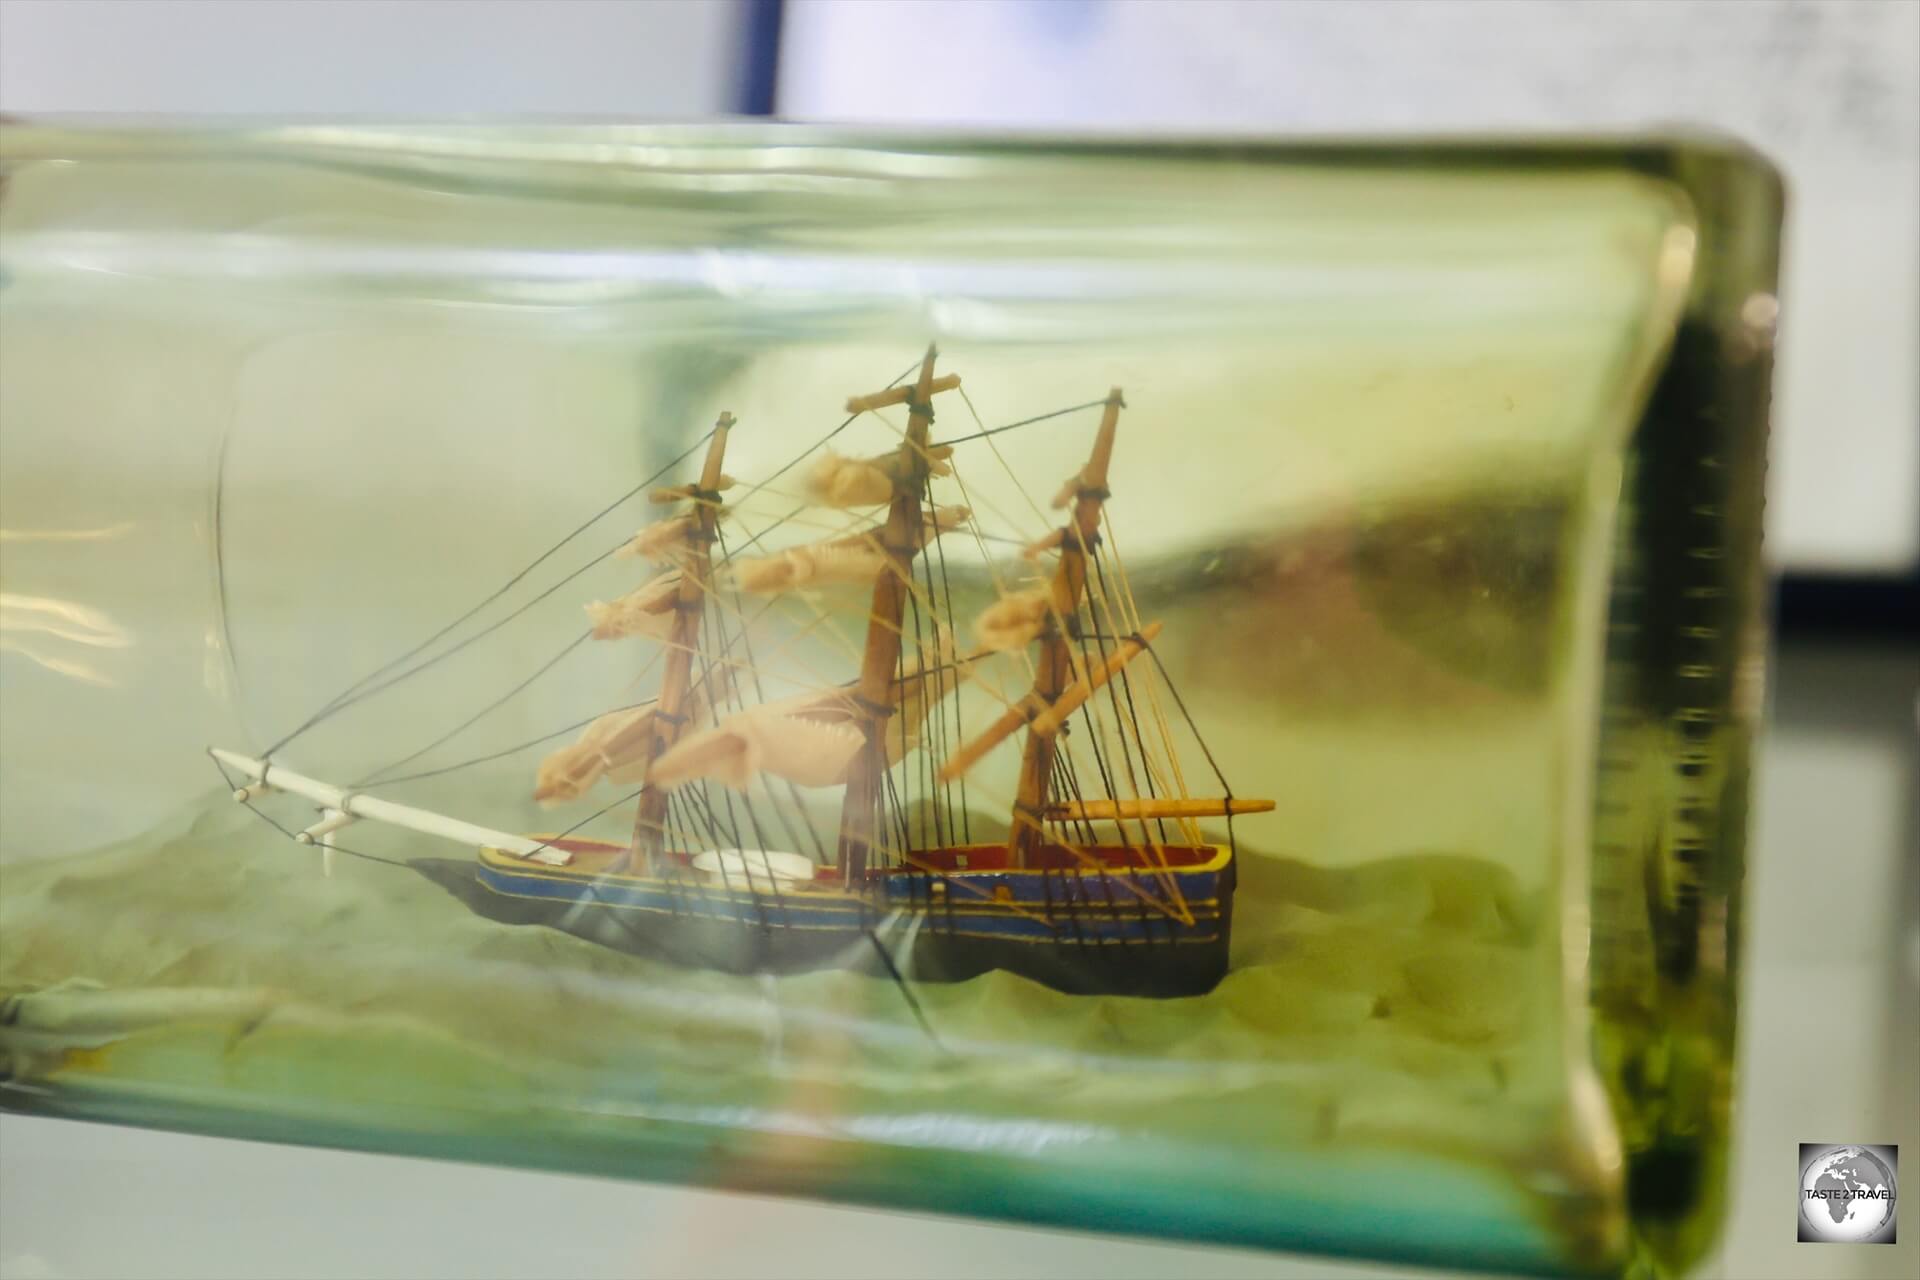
[[683, 640], [899, 540], [1055, 670]]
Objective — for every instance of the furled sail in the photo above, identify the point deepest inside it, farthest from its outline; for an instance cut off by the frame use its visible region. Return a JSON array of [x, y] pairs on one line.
[[815, 565], [663, 541], [682, 492], [837, 481], [853, 558], [1014, 620], [613, 747], [812, 750], [813, 739], [645, 611]]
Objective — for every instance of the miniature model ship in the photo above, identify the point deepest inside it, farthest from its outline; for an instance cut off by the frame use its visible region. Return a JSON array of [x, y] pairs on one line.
[[1102, 881]]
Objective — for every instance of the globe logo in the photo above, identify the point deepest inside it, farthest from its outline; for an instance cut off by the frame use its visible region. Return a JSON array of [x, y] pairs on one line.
[[1847, 1194]]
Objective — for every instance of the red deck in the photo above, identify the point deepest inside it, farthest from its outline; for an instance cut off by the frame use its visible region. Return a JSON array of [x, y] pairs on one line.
[[1053, 857]]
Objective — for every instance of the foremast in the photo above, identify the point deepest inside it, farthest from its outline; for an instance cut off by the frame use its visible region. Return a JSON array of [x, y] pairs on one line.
[[683, 642], [900, 540], [1054, 672]]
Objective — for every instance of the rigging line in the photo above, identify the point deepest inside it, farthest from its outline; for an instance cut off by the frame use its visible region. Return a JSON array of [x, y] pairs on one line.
[[912, 584], [993, 572], [892, 796], [899, 720], [906, 989], [845, 527], [708, 624], [946, 878], [1072, 772], [851, 419], [991, 507], [374, 857], [546, 842], [744, 632], [824, 685], [1184, 914], [821, 682], [1125, 684], [679, 811], [1067, 783], [1075, 656], [1024, 422], [995, 449], [746, 797], [1096, 731], [508, 751], [341, 700], [959, 731], [1130, 616], [268, 819], [764, 532], [1226, 788], [438, 658], [531, 742], [1152, 830], [1080, 671], [930, 794], [477, 716], [1192, 728], [746, 866]]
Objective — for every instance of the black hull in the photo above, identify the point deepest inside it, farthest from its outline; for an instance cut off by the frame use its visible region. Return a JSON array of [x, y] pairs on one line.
[[915, 948]]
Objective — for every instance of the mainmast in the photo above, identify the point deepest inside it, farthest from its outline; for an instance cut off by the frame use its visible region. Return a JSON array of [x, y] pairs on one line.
[[899, 539], [1054, 672], [683, 640]]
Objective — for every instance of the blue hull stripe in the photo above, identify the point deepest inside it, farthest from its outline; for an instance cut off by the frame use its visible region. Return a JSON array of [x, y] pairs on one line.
[[1015, 906]]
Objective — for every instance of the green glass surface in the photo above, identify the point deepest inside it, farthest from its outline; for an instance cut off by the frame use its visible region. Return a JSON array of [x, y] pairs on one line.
[[1441, 465]]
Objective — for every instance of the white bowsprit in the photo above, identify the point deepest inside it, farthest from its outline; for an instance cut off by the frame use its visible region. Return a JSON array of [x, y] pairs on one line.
[[347, 805]]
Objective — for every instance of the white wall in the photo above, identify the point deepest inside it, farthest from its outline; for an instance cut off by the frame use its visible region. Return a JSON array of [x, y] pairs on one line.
[[627, 61]]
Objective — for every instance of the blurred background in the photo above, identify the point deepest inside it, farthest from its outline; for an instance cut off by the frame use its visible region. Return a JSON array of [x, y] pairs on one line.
[[1829, 90]]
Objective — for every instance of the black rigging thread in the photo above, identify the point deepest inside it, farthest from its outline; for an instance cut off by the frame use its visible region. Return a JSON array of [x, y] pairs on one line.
[[268, 819], [796, 459], [378, 681], [520, 746], [709, 625], [501, 754], [477, 716], [938, 732], [1126, 685], [905, 987], [547, 841], [753, 668], [1024, 422], [1226, 789], [929, 810], [357, 691], [373, 683]]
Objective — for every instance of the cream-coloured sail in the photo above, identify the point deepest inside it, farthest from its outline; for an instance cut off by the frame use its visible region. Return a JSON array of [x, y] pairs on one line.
[[852, 558], [1014, 620], [800, 568], [644, 611], [663, 541], [838, 481], [813, 739], [614, 747]]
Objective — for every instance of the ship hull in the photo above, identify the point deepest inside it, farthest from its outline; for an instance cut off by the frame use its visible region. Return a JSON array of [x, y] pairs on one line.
[[1108, 920]]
